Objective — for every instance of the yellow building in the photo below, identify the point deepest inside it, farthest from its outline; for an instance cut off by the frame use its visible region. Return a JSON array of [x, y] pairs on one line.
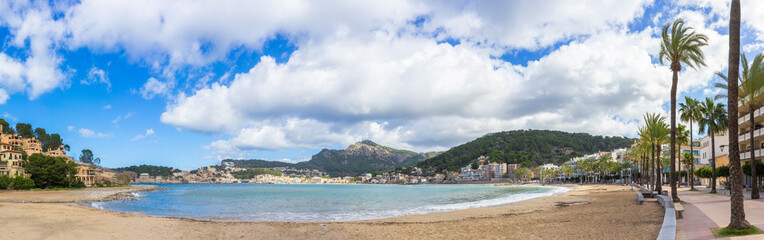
[[85, 173], [11, 163]]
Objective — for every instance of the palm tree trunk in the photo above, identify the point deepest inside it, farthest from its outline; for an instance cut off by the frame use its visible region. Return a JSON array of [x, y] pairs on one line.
[[659, 168], [672, 148], [713, 163], [692, 164], [737, 211], [754, 183], [652, 167]]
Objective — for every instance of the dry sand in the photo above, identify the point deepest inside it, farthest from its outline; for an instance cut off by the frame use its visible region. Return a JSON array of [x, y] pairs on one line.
[[588, 212]]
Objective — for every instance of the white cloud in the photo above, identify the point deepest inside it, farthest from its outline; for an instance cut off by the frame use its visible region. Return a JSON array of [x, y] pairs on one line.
[[9, 116], [33, 29], [3, 96], [170, 36], [414, 93], [71, 128], [87, 133], [154, 87], [107, 106], [149, 132], [370, 72], [528, 24], [96, 75], [122, 117]]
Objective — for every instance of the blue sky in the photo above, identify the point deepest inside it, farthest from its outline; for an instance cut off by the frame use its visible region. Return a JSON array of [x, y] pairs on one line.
[[187, 84]]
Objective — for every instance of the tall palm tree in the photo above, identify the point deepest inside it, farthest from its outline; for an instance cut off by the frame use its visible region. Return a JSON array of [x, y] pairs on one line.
[[714, 121], [749, 92], [681, 45], [690, 113], [737, 211], [658, 133]]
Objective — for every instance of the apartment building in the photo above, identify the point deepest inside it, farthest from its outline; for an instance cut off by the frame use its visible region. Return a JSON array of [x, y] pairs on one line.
[[11, 160], [747, 151], [494, 170], [11, 163]]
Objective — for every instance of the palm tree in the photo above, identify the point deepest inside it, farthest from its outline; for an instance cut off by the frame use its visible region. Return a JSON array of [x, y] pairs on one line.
[[690, 113], [523, 173], [681, 45], [737, 211], [749, 90], [657, 134], [567, 170], [682, 139], [647, 146], [714, 121]]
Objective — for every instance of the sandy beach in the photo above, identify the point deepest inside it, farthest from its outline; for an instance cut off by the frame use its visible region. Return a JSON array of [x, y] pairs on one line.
[[587, 212]]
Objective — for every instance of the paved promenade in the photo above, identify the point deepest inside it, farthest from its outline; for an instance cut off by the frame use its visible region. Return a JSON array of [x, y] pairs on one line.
[[703, 211]]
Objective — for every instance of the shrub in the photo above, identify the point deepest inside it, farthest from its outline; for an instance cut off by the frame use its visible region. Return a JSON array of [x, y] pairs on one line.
[[5, 182], [48, 171], [723, 171], [22, 183], [78, 184], [759, 168]]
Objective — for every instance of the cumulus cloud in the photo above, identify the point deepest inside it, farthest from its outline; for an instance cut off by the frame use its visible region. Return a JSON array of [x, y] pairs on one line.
[[96, 75], [154, 87], [382, 70], [170, 36], [33, 29], [413, 92], [3, 96], [528, 24], [149, 132]]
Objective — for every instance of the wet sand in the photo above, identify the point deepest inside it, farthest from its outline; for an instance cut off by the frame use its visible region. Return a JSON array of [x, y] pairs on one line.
[[587, 212]]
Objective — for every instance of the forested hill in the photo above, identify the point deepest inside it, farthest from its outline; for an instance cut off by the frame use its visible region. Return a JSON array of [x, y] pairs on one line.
[[526, 147]]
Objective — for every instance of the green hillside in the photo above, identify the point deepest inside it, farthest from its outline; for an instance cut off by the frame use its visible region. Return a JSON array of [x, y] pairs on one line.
[[526, 147]]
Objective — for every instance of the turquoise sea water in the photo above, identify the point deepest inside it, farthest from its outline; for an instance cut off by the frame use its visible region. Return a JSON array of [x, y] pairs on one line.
[[312, 202]]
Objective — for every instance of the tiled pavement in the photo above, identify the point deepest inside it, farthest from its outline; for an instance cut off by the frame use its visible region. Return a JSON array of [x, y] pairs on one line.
[[703, 211]]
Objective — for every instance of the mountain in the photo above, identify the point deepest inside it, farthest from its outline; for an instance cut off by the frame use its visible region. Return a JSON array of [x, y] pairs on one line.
[[526, 147], [361, 157]]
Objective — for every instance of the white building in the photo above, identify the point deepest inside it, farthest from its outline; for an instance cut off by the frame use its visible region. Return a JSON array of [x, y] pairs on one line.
[[721, 143], [549, 166]]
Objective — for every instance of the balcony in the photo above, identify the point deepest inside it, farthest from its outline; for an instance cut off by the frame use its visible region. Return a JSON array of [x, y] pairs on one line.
[[746, 136], [747, 155], [758, 116]]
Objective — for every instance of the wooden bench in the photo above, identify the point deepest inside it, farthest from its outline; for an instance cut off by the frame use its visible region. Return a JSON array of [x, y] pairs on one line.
[[640, 198], [679, 210]]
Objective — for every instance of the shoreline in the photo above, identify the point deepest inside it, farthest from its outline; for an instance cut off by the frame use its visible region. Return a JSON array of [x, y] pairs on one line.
[[127, 195], [587, 212], [84, 195]]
